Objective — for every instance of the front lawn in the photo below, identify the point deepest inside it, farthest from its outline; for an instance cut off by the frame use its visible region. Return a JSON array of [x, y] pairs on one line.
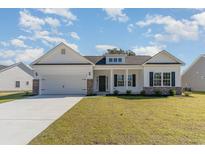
[[130, 120], [10, 96]]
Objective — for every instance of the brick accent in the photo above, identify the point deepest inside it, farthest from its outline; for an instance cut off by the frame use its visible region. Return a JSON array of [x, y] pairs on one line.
[[164, 90], [35, 90], [89, 86]]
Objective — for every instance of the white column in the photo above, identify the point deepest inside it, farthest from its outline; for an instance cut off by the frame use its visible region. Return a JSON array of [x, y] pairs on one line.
[[111, 81], [126, 79]]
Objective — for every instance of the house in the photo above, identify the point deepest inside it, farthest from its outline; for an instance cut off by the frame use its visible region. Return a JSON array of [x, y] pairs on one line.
[[17, 77], [64, 71], [194, 76]]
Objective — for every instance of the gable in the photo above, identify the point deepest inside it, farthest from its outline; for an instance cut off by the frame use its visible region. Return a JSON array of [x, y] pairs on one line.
[[55, 56], [16, 72], [164, 57], [196, 68]]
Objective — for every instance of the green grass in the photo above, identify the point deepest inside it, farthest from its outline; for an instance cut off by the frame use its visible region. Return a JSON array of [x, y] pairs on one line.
[[130, 120], [10, 96]]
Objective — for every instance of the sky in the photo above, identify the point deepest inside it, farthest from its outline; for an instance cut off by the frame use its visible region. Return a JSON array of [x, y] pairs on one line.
[[26, 34]]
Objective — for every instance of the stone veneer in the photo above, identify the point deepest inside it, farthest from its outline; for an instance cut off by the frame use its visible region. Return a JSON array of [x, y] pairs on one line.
[[164, 90], [89, 86], [35, 89]]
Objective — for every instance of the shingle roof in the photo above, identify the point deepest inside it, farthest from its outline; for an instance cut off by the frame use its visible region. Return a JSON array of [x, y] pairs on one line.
[[22, 66], [129, 60], [2, 67]]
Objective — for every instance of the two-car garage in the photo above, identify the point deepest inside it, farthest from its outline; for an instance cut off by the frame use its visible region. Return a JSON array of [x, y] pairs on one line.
[[63, 84], [66, 79]]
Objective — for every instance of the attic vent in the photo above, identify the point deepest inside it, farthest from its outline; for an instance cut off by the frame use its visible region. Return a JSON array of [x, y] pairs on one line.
[[63, 51]]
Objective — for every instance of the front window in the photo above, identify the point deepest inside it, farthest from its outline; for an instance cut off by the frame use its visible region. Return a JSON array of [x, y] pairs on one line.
[[120, 80], [129, 80], [166, 79], [115, 59], [157, 79], [110, 60]]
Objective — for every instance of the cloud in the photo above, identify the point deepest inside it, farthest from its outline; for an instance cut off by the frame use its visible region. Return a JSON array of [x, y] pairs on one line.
[[29, 21], [148, 50], [4, 44], [7, 54], [46, 38], [116, 14], [7, 62], [75, 35], [130, 27], [65, 13], [53, 22], [104, 47], [174, 30], [29, 55], [18, 43]]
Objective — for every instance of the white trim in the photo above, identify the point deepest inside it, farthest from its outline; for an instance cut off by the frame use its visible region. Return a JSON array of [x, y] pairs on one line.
[[52, 50], [170, 55]]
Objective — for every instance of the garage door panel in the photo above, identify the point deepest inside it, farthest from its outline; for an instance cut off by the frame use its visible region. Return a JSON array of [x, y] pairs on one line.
[[63, 84]]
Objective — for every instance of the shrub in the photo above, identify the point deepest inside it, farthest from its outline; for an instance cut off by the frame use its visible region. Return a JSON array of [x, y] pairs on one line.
[[187, 93], [129, 92], [172, 92], [158, 92], [143, 93], [116, 92]]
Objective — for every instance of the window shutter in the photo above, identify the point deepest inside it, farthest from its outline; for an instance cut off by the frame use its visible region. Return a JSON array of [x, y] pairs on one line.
[[115, 80], [133, 80], [151, 79], [173, 79]]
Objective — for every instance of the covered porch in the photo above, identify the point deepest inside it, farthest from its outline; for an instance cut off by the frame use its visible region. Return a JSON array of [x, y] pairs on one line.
[[106, 80]]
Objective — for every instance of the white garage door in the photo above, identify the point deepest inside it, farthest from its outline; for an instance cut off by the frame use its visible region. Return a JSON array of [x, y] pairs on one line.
[[63, 84]]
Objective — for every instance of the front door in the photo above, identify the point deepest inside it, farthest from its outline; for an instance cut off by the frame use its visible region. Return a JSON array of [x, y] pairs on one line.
[[102, 85]]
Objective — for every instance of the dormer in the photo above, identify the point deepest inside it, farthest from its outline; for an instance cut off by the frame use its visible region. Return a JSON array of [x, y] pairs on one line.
[[115, 58]]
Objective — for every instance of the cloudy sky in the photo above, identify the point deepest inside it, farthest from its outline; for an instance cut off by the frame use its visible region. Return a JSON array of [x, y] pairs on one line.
[[26, 34]]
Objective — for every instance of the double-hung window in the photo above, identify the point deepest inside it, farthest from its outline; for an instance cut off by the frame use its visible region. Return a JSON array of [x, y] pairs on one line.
[[130, 80], [120, 80], [166, 79], [157, 79]]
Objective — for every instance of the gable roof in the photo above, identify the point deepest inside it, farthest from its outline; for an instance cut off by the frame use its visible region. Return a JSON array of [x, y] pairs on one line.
[[53, 49], [3, 67], [21, 65], [193, 63], [129, 60], [178, 61]]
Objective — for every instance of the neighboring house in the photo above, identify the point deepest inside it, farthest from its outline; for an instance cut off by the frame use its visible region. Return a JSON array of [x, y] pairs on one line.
[[64, 71], [16, 77], [194, 76]]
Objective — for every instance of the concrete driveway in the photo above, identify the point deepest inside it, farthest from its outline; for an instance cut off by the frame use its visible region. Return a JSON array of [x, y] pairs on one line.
[[21, 120]]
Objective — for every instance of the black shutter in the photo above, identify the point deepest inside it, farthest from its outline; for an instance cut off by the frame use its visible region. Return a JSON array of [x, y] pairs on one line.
[[173, 79], [151, 79], [115, 80], [133, 80]]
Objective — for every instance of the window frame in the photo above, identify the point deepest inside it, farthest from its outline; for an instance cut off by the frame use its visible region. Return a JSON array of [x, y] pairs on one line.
[[130, 80], [119, 60], [170, 79], [17, 84], [110, 60], [122, 80], [155, 80], [63, 51], [115, 60]]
